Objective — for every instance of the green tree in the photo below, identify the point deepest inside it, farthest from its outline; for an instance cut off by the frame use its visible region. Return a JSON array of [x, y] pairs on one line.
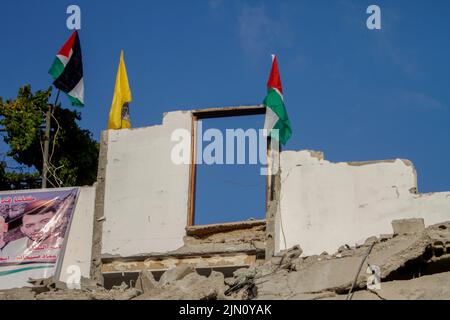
[[73, 155]]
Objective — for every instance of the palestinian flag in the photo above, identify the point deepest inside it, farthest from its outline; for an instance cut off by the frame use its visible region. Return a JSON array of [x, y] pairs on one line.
[[276, 115], [67, 70]]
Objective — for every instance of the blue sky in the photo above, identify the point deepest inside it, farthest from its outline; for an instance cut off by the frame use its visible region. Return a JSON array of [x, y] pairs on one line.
[[354, 93]]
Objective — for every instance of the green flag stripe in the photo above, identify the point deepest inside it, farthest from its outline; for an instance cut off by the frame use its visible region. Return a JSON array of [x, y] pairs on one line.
[[75, 101], [56, 69], [284, 132], [275, 102]]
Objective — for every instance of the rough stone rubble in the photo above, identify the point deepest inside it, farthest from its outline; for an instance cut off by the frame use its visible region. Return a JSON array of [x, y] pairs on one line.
[[414, 263]]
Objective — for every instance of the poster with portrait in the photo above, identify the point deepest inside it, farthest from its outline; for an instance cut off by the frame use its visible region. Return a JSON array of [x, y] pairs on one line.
[[33, 231]]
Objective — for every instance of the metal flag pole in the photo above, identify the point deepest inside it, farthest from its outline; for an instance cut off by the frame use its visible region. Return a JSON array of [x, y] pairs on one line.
[[48, 116]]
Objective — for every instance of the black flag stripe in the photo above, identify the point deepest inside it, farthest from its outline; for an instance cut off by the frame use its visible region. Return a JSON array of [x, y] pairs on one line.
[[73, 72]]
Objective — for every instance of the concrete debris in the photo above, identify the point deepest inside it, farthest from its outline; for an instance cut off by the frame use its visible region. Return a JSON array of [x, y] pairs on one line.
[[231, 228], [243, 278], [175, 274], [334, 275], [18, 294], [47, 284], [240, 240], [385, 237], [48, 289], [370, 241], [358, 295], [120, 293], [405, 255], [429, 287], [146, 282], [436, 286], [207, 248], [89, 284], [410, 265], [191, 287], [408, 226]]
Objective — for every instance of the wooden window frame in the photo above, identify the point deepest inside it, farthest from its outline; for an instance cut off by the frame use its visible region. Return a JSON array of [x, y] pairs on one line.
[[212, 113]]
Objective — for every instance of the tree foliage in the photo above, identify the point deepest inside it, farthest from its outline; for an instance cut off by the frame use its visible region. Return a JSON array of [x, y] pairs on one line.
[[13, 180], [73, 154]]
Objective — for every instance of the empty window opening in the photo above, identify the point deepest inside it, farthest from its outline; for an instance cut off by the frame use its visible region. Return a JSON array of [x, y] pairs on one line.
[[230, 154]]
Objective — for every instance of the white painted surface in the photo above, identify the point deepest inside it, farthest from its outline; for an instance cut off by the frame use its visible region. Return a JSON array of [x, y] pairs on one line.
[[325, 205], [79, 244], [146, 195]]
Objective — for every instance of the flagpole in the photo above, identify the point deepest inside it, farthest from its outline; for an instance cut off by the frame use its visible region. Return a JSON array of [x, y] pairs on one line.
[[48, 116]]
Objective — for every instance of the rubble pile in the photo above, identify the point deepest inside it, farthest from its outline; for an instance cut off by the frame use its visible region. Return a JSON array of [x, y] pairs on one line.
[[411, 263], [249, 237], [49, 289]]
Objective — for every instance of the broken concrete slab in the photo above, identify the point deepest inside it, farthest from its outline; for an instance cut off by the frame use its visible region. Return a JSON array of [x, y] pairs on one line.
[[328, 295], [89, 284], [159, 263], [256, 233], [192, 287], [89, 295], [205, 230], [146, 281], [217, 248], [245, 272], [326, 275], [396, 252], [429, 287], [174, 274], [369, 241], [72, 295], [408, 226], [49, 289], [18, 294], [436, 286], [358, 295], [243, 280], [124, 293], [317, 274], [385, 237]]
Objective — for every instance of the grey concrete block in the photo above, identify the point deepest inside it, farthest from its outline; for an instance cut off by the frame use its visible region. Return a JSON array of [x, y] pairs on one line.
[[408, 226], [175, 274]]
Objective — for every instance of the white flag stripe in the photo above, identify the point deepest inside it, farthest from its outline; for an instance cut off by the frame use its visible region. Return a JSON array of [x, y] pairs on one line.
[[271, 119], [78, 91], [64, 59]]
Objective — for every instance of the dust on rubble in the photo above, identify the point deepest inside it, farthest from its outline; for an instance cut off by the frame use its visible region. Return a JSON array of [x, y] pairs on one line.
[[412, 264]]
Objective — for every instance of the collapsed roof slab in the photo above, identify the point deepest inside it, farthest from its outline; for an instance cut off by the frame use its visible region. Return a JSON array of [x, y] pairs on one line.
[[315, 276]]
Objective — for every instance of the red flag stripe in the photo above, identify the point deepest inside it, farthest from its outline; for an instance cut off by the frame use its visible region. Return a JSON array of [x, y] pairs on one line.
[[65, 50], [274, 78]]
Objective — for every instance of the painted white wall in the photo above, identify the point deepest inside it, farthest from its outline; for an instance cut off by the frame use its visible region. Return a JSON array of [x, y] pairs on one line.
[[146, 194], [79, 244], [324, 205]]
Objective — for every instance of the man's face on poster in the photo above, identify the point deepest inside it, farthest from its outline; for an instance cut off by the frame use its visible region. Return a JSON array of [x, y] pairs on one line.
[[34, 226]]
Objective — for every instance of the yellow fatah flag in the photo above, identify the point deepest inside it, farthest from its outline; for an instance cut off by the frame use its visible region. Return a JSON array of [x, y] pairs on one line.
[[119, 115]]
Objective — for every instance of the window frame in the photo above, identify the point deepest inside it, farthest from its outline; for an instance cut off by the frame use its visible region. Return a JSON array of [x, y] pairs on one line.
[[212, 113]]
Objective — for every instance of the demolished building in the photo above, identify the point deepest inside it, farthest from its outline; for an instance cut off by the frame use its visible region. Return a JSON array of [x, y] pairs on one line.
[[136, 226]]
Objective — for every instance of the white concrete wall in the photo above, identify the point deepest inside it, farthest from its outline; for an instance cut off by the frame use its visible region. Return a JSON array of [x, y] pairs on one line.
[[79, 244], [146, 194], [324, 205]]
